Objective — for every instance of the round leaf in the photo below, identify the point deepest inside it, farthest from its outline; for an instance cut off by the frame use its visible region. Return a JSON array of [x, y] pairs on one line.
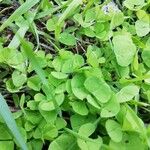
[[114, 130], [124, 49], [111, 108], [67, 39], [98, 88], [80, 107]]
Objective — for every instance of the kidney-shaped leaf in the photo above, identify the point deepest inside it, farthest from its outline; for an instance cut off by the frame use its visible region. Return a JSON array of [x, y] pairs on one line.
[[64, 142], [114, 130], [80, 107], [77, 84], [146, 57], [124, 49], [127, 93], [99, 88], [111, 108]]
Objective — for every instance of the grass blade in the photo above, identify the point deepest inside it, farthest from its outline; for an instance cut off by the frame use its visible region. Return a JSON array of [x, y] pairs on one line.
[[36, 66], [15, 42], [72, 6], [21, 10], [9, 120], [51, 11]]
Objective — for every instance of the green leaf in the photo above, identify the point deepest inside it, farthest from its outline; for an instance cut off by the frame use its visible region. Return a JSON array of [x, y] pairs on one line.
[[87, 129], [34, 83], [4, 145], [64, 142], [59, 75], [18, 78], [49, 105], [146, 56], [49, 116], [114, 130], [117, 20], [33, 105], [78, 61], [11, 56], [132, 122], [77, 84], [71, 7], [36, 144], [75, 123], [49, 132], [21, 10], [89, 32], [39, 97], [51, 23], [67, 39], [5, 134], [11, 87], [60, 123], [102, 30], [111, 108], [60, 88], [124, 49], [127, 93], [90, 145], [9, 120], [130, 141], [92, 101], [93, 54], [33, 116], [142, 28], [27, 48], [99, 88], [80, 107], [134, 4]]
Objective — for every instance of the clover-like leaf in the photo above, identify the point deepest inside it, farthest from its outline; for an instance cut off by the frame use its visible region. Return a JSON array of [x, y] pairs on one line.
[[124, 49], [146, 56], [80, 107], [99, 88], [127, 93], [63, 142], [111, 108], [77, 84], [114, 130], [142, 28], [67, 39]]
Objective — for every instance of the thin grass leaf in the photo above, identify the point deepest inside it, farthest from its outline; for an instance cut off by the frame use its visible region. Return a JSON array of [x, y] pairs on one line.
[[71, 8], [21, 10], [9, 120], [15, 42], [51, 11], [36, 66]]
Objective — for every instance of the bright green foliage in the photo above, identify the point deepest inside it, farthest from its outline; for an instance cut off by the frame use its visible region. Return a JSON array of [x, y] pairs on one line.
[[114, 130], [98, 88], [124, 49], [127, 93], [75, 74], [80, 107], [67, 39], [146, 56], [111, 108], [65, 142], [77, 84], [51, 24]]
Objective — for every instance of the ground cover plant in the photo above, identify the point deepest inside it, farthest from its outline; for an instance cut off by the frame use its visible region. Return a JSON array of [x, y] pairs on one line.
[[74, 75]]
